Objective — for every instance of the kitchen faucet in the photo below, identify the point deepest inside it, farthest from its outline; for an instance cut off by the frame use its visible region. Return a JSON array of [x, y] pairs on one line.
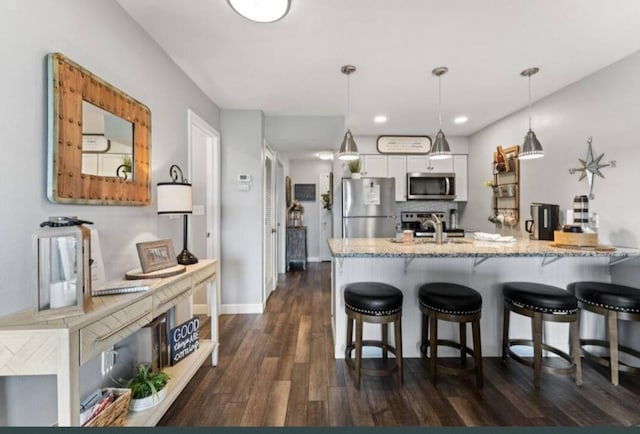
[[436, 223]]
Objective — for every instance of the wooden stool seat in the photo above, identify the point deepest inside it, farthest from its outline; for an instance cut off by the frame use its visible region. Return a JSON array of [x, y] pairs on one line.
[[377, 303], [455, 303], [614, 302], [541, 303]]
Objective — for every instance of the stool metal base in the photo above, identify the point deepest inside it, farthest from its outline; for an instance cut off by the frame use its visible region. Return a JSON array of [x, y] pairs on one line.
[[383, 320], [377, 372], [431, 342], [537, 364], [545, 367], [613, 360]]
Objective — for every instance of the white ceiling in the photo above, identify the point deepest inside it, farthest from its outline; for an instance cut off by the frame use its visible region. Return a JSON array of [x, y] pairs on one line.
[[292, 67]]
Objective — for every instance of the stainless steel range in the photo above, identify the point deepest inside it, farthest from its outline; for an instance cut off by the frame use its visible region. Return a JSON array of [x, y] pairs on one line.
[[416, 221]]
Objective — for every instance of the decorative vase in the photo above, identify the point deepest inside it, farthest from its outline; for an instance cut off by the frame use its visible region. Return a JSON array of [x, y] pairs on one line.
[[142, 404], [356, 175]]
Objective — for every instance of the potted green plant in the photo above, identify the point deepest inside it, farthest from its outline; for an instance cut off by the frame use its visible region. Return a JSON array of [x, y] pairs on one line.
[[354, 168], [326, 201], [147, 388]]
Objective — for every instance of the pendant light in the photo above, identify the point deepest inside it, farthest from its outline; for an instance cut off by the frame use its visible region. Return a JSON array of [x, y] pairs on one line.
[[440, 148], [531, 148], [348, 148], [261, 11]]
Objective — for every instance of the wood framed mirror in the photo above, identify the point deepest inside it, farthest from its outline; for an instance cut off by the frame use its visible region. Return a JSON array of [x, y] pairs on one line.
[[99, 139]]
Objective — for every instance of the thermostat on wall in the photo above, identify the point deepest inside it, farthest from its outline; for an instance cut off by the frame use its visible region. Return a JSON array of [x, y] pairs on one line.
[[244, 177]]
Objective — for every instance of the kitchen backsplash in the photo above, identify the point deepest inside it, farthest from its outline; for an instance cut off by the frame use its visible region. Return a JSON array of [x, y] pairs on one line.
[[425, 205]]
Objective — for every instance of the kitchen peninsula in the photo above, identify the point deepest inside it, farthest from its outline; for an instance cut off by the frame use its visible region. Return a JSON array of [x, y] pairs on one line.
[[482, 265]]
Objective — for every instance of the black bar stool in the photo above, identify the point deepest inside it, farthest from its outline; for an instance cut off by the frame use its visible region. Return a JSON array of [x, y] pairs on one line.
[[614, 302], [541, 303], [377, 303], [456, 303]]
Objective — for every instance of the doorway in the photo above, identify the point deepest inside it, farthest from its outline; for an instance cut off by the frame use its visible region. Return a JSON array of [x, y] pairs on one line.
[[204, 174], [326, 223], [269, 223]]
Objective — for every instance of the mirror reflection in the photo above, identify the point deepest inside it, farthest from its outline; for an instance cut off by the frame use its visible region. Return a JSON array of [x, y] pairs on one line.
[[107, 143]]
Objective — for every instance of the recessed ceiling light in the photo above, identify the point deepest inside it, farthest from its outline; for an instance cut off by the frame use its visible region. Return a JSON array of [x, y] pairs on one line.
[[461, 119], [380, 119], [261, 11]]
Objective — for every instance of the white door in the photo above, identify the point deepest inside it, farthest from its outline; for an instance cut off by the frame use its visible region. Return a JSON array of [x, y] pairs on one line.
[[281, 218], [269, 224], [324, 185], [204, 175]]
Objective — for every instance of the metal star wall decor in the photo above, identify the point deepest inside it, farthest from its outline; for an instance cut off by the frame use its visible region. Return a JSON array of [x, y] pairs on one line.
[[591, 166]]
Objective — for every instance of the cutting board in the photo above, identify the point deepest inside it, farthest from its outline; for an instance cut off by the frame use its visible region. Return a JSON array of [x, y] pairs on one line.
[[599, 248]]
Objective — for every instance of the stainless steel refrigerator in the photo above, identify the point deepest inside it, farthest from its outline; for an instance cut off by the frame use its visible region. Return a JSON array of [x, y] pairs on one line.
[[368, 207]]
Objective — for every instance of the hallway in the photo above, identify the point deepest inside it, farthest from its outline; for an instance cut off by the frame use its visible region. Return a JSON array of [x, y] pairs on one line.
[[277, 369]]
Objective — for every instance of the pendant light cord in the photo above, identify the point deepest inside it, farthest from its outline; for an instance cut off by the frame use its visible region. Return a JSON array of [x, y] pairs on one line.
[[440, 100], [529, 102], [348, 99]]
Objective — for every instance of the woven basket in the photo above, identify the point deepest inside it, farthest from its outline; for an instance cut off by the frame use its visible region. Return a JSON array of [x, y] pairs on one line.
[[116, 412]]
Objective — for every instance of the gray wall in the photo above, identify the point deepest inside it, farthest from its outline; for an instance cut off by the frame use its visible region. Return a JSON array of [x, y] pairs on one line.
[[241, 214], [308, 172], [100, 36], [288, 133], [604, 105]]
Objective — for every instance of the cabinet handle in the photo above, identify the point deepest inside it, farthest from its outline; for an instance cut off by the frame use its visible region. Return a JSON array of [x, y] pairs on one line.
[[122, 327]]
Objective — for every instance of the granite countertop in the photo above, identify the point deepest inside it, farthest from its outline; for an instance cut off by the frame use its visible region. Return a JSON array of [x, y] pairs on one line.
[[463, 247]]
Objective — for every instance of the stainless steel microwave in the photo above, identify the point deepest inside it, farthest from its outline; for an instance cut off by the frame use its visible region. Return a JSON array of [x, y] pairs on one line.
[[431, 186]]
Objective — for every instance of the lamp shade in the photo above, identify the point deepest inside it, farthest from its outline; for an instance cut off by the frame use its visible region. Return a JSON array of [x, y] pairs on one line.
[[348, 148], [174, 198], [440, 148], [531, 148]]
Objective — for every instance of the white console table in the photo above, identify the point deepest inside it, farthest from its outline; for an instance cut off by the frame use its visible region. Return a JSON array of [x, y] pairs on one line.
[[29, 346]]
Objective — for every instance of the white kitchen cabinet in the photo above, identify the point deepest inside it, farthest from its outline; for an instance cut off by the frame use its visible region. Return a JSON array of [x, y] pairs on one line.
[[417, 163], [460, 169], [397, 168], [374, 166], [424, 164], [442, 166]]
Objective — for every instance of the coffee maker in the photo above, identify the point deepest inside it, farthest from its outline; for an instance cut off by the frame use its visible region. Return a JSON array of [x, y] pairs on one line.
[[545, 218]]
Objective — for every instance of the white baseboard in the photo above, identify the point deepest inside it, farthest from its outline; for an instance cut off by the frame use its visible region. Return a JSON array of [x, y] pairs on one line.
[[241, 308], [314, 259]]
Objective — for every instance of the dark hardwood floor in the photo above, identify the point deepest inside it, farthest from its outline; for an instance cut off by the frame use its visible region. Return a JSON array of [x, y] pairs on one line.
[[277, 369]]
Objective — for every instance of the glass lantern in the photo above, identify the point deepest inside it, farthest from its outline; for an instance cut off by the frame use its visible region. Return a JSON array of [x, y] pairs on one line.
[[62, 255]]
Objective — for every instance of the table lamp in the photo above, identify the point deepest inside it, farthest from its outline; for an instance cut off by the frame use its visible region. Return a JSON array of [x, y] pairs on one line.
[[175, 198]]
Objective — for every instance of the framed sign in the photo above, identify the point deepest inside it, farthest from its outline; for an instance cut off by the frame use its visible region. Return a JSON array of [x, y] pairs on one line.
[[95, 143], [304, 192], [404, 144], [183, 340]]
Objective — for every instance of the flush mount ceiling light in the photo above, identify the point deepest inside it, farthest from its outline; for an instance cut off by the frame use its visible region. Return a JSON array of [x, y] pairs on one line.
[[440, 148], [380, 119], [460, 119], [325, 155], [261, 11], [531, 148], [348, 148]]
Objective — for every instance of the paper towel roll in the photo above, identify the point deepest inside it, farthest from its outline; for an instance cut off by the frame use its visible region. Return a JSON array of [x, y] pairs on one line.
[[569, 217]]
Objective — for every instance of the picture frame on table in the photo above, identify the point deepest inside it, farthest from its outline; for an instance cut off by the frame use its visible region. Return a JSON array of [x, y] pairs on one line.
[[156, 255]]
